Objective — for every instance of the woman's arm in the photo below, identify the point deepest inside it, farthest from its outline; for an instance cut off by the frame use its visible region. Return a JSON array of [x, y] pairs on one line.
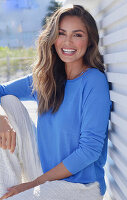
[[94, 124], [21, 88], [57, 173]]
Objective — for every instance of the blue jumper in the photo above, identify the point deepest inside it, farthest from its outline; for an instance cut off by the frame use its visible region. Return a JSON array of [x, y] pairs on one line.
[[77, 133]]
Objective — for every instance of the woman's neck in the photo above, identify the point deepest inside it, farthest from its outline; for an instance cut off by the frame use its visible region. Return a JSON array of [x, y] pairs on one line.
[[74, 71]]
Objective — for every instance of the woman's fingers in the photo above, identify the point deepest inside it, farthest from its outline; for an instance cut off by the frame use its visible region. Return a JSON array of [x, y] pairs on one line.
[[13, 141], [3, 136], [17, 189], [8, 139], [7, 134], [11, 192], [8, 194]]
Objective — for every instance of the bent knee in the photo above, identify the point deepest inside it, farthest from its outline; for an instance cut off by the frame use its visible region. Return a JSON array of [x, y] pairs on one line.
[[8, 100]]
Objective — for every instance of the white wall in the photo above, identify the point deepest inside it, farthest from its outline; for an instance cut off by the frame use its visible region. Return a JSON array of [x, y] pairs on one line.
[[112, 22]]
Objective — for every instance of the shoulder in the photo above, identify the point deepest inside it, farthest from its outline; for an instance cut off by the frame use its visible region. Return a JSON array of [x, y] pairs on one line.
[[95, 74], [95, 84], [96, 87], [95, 78]]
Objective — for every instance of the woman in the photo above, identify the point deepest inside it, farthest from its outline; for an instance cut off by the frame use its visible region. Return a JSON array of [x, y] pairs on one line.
[[71, 89]]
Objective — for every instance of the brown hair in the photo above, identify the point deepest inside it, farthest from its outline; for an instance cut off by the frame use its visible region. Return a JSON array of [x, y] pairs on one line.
[[49, 76]]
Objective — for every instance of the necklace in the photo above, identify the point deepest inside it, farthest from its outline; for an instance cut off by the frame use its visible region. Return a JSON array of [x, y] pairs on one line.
[[80, 74]]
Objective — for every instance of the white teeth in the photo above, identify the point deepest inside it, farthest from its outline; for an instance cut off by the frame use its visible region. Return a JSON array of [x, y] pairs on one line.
[[68, 50]]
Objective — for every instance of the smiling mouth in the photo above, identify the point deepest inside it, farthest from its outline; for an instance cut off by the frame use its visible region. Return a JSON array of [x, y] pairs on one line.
[[68, 51]]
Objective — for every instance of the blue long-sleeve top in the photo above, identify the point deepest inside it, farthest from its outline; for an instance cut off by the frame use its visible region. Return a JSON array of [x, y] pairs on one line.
[[77, 133]]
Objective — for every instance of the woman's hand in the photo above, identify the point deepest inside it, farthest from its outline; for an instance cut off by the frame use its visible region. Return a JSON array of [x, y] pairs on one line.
[[17, 189], [7, 134]]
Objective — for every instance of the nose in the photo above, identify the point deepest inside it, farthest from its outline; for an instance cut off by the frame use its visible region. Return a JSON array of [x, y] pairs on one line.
[[68, 39]]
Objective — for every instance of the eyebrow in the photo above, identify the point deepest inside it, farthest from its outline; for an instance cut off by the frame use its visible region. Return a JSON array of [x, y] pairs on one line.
[[73, 31]]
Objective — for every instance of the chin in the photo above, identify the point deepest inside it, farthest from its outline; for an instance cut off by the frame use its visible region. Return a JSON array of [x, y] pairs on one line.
[[66, 60]]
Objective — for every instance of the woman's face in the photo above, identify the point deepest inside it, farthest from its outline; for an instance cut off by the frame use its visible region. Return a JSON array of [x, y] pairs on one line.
[[72, 41]]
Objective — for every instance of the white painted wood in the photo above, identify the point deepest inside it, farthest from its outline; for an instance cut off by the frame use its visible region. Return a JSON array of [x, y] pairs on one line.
[[118, 98], [120, 57], [114, 16], [118, 78], [116, 141], [116, 48], [121, 182], [119, 161], [114, 37], [105, 4], [112, 24], [120, 132], [115, 190], [116, 119]]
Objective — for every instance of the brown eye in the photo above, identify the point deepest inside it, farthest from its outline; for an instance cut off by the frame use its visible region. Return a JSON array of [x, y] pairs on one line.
[[77, 35], [61, 33]]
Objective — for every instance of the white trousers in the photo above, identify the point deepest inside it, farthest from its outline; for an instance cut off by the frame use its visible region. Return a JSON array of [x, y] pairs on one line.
[[24, 164]]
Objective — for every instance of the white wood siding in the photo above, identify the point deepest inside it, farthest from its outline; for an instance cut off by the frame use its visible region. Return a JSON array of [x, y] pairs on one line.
[[111, 17]]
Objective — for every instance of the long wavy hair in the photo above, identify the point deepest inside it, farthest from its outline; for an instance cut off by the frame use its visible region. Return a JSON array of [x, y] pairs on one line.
[[49, 76]]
